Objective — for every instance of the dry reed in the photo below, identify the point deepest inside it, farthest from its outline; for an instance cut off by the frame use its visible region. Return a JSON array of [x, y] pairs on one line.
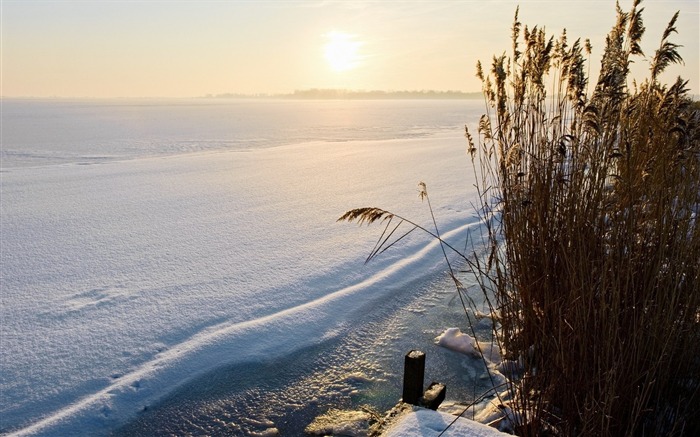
[[592, 206], [591, 201]]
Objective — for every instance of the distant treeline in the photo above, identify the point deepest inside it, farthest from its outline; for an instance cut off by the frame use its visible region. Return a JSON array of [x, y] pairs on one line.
[[320, 93]]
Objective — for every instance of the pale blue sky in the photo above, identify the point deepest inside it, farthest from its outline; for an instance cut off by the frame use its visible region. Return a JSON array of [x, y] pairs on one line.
[[191, 48]]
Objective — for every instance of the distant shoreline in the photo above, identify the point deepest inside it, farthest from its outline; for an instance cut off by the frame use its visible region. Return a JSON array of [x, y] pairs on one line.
[[341, 94], [309, 94], [312, 94]]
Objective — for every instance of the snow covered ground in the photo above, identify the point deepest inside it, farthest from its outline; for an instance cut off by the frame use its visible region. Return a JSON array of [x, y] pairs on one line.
[[428, 423], [126, 276]]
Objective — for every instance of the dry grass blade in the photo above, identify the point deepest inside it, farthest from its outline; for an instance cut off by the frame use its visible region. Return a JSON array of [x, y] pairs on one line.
[[383, 242]]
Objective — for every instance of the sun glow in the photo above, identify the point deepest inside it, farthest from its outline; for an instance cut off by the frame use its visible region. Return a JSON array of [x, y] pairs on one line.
[[342, 51]]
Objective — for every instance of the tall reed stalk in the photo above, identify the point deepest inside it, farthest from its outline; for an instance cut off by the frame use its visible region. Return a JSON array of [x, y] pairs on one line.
[[592, 207], [591, 203]]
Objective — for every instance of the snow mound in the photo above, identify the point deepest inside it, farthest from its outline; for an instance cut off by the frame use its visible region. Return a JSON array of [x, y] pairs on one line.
[[454, 339], [427, 423], [340, 422], [501, 417]]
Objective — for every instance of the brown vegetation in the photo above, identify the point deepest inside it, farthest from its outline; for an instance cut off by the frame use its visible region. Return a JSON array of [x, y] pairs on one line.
[[592, 210], [591, 204]]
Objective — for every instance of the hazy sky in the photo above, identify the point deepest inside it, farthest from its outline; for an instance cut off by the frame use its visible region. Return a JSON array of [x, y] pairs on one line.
[[170, 48]]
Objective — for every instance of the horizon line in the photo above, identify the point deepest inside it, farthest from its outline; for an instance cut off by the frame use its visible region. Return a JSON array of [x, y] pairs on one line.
[[307, 93], [300, 94]]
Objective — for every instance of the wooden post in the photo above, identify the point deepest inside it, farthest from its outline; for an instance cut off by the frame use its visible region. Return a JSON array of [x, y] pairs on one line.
[[434, 395], [413, 374]]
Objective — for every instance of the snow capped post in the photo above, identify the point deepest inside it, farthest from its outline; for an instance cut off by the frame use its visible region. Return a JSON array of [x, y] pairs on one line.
[[413, 374], [434, 395]]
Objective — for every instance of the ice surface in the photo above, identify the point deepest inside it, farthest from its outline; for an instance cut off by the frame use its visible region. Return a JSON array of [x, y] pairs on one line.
[[125, 279]]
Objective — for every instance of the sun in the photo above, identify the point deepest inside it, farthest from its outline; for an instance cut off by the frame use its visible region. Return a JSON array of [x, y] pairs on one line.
[[342, 51]]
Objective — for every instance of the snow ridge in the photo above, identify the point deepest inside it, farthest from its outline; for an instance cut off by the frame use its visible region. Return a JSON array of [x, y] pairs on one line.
[[217, 346]]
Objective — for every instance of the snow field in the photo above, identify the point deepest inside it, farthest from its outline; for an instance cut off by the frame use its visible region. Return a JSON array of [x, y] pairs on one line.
[[123, 280]]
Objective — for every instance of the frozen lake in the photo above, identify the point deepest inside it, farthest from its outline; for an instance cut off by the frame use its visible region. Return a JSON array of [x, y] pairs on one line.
[[179, 262]]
